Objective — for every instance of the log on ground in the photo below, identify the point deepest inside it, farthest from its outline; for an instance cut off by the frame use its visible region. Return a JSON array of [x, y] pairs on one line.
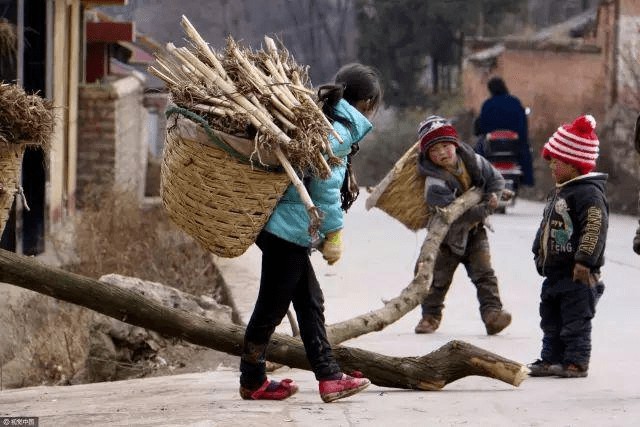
[[430, 372]]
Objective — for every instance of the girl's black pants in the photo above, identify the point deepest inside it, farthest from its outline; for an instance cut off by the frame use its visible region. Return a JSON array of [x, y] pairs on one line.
[[287, 276]]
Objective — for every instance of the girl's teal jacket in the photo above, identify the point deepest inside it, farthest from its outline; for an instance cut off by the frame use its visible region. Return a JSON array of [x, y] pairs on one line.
[[289, 220]]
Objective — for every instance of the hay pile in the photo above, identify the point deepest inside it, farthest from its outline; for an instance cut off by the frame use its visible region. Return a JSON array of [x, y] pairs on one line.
[[24, 119], [8, 39]]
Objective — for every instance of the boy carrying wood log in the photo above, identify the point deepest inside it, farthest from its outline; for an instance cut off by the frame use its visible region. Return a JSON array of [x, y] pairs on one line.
[[287, 273], [451, 168]]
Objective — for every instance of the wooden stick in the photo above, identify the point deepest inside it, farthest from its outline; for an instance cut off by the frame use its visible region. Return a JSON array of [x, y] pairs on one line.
[[298, 81], [295, 180], [261, 83], [213, 110], [256, 115], [276, 66], [286, 123], [203, 47], [162, 76]]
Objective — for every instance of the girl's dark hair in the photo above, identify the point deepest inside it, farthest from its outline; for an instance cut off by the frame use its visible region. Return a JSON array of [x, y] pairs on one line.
[[497, 86], [354, 82]]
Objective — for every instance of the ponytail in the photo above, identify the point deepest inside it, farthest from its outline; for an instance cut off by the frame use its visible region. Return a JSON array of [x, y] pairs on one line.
[[329, 95]]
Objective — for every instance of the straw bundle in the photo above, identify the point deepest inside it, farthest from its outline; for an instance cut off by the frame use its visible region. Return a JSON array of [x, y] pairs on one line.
[[25, 120], [8, 39], [263, 99], [401, 192]]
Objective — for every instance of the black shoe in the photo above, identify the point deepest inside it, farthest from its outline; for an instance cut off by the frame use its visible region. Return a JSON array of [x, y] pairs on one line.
[[541, 368]]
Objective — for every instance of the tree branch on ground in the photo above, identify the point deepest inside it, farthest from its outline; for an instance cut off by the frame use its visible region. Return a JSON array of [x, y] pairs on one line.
[[429, 372]]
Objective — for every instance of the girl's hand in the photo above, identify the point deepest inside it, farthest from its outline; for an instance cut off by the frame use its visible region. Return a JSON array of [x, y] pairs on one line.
[[332, 247]]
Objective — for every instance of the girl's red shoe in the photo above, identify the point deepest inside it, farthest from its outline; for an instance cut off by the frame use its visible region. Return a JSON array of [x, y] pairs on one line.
[[271, 390], [346, 386]]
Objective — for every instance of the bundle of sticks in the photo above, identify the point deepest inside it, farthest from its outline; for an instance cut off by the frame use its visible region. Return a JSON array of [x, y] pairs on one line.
[[264, 94]]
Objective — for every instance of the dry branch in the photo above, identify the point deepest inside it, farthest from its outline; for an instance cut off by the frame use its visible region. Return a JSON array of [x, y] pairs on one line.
[[257, 88], [430, 372], [415, 292]]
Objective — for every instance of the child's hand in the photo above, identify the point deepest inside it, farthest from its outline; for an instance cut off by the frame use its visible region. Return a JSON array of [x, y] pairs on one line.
[[582, 274], [492, 201], [332, 247], [507, 195]]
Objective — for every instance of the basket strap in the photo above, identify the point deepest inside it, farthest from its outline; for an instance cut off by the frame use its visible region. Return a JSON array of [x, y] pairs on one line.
[[215, 139]]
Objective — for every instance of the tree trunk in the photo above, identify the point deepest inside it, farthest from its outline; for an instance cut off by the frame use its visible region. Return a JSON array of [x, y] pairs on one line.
[[430, 372], [415, 292]]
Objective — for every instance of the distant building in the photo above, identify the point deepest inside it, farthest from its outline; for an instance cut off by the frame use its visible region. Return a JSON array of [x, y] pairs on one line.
[[108, 119], [586, 64]]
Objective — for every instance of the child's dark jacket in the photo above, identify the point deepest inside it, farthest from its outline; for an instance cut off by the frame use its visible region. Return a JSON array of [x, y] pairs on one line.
[[573, 227], [442, 188], [636, 238]]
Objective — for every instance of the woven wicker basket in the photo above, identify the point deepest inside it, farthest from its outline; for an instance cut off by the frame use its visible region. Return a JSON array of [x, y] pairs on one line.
[[219, 200], [10, 167], [401, 193]]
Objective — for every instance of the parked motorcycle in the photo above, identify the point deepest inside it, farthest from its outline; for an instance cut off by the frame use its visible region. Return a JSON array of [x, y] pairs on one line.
[[500, 148]]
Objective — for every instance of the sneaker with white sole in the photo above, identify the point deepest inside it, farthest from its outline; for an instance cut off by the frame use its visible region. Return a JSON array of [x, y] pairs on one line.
[[331, 390]]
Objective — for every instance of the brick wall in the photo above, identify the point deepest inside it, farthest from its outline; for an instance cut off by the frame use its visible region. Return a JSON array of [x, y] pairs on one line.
[[112, 140], [556, 85]]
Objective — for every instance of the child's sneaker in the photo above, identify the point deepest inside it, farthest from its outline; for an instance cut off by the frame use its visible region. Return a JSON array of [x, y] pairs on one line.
[[573, 370], [346, 386], [540, 368], [271, 390]]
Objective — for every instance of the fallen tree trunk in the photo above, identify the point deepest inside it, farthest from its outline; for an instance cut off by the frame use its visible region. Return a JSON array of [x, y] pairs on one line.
[[430, 372], [415, 292]]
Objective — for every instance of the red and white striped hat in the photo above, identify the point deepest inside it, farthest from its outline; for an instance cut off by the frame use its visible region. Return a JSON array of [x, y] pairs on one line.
[[575, 143]]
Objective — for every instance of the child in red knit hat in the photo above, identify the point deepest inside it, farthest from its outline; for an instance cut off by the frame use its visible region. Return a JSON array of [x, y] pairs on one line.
[[450, 168], [569, 250]]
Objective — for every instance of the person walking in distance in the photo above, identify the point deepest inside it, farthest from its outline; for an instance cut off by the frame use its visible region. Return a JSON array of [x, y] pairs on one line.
[[503, 111]]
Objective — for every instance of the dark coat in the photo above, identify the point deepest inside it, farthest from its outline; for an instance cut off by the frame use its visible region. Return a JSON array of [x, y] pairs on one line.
[[442, 188], [636, 238], [506, 112], [573, 228]]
